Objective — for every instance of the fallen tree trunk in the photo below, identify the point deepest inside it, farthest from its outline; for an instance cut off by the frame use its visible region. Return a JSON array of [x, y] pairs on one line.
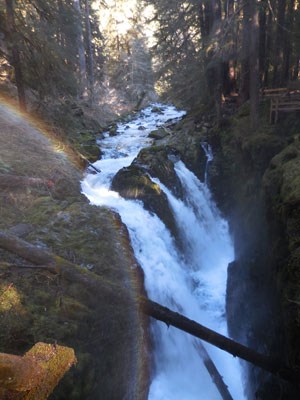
[[6, 266], [25, 250], [213, 371], [51, 262], [73, 272], [179, 321], [87, 161]]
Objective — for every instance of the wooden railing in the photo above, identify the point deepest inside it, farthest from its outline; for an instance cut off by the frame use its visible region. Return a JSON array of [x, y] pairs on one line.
[[283, 104], [282, 100], [274, 92]]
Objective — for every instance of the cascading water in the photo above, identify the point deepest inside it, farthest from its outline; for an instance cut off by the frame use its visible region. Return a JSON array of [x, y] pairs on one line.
[[209, 157], [192, 281]]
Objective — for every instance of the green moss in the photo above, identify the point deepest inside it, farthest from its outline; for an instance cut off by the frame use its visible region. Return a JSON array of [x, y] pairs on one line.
[[152, 149], [9, 299], [89, 150], [243, 111]]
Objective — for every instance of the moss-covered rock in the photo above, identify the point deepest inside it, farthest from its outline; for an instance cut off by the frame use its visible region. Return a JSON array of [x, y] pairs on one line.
[[155, 160], [158, 134], [254, 178], [134, 183], [282, 185]]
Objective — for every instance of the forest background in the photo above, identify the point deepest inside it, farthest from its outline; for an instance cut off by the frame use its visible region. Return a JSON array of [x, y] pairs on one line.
[[194, 53]]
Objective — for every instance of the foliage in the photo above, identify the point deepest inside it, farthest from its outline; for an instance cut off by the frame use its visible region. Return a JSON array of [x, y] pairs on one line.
[[76, 48], [209, 48]]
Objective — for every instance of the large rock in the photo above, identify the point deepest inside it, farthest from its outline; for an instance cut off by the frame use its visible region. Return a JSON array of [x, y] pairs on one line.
[[158, 134], [157, 162], [255, 179], [282, 185], [134, 183]]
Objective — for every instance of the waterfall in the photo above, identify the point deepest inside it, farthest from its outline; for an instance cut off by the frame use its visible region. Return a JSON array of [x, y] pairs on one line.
[[209, 157], [192, 281]]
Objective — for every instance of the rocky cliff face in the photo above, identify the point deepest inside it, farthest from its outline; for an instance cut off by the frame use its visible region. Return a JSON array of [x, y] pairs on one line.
[[255, 179]]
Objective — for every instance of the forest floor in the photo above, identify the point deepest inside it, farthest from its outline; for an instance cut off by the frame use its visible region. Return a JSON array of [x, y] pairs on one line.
[[41, 203]]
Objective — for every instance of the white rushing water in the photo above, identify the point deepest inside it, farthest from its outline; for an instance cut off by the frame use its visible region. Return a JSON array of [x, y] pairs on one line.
[[192, 282]]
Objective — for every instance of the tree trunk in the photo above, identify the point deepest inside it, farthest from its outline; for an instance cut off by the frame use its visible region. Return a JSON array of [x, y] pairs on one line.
[[218, 77], [245, 68], [229, 8], [213, 372], [163, 314], [254, 65], [287, 50], [58, 265], [15, 54], [268, 48], [90, 52], [92, 281], [62, 30], [280, 43], [262, 44], [81, 51], [296, 68], [228, 67], [207, 11], [202, 21]]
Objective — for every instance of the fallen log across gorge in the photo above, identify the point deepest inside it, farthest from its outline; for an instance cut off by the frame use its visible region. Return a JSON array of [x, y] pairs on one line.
[[72, 271], [179, 321]]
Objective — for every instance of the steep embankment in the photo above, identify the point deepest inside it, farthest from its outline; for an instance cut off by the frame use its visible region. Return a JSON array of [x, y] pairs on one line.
[[255, 178], [41, 203]]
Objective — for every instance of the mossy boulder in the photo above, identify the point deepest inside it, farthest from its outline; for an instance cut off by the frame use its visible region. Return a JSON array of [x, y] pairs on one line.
[[187, 143], [158, 134], [134, 183], [157, 110], [156, 161], [91, 151], [85, 142]]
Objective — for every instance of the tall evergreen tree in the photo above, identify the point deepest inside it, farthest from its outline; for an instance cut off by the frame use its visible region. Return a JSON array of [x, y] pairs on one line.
[[81, 48], [15, 53]]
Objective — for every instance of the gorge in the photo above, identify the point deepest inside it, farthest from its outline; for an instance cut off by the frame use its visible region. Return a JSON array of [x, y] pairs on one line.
[[187, 273], [253, 300], [107, 194], [253, 179]]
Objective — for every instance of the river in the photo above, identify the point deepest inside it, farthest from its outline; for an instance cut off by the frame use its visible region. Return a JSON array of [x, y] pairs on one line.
[[191, 280]]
